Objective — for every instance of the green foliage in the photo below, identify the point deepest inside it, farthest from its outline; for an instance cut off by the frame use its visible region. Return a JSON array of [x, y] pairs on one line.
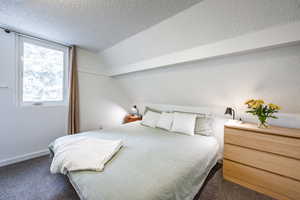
[[263, 112]]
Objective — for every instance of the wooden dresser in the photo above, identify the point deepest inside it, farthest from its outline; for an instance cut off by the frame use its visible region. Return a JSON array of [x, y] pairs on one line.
[[264, 160]]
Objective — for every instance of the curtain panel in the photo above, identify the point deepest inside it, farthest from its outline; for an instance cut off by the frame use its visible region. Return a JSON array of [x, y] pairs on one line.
[[73, 115]]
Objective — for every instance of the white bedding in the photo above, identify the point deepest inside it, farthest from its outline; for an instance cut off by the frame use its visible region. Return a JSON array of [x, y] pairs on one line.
[[73, 153], [153, 165]]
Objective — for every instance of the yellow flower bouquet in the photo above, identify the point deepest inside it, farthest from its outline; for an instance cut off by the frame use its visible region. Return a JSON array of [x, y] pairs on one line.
[[262, 111]]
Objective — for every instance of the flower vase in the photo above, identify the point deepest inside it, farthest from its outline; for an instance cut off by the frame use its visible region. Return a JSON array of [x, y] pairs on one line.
[[262, 124]]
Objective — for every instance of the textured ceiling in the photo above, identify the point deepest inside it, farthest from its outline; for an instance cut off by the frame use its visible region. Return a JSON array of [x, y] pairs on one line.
[[91, 24]]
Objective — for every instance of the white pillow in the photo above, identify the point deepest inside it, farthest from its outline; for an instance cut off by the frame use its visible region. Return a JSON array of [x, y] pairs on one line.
[[184, 123], [165, 121], [204, 125], [150, 119]]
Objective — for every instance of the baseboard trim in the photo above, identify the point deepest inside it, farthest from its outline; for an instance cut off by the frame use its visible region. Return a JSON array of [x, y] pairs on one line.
[[23, 157]]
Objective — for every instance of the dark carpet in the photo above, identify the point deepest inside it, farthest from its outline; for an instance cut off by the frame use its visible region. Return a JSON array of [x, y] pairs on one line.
[[31, 180]]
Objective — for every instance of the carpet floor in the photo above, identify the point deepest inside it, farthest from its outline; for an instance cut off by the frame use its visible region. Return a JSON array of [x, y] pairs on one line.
[[31, 180]]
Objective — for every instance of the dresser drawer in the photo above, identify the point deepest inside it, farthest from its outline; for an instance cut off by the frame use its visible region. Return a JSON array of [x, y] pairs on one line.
[[274, 185], [270, 162], [281, 145]]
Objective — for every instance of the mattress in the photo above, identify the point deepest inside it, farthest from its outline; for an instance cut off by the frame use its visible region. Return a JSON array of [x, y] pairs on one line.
[[153, 165]]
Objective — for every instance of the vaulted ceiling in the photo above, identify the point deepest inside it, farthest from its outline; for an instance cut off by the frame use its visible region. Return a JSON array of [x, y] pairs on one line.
[[91, 24]]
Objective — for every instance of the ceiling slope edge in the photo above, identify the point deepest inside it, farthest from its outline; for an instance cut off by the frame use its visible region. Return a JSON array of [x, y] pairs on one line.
[[264, 39]]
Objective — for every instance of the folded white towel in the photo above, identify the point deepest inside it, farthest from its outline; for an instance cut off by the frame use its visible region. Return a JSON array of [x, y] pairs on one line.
[[82, 153]]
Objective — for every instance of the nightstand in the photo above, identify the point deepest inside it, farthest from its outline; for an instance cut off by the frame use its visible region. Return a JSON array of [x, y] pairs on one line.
[[265, 160], [131, 118]]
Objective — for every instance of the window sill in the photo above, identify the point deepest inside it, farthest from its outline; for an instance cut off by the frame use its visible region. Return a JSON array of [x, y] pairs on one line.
[[41, 105]]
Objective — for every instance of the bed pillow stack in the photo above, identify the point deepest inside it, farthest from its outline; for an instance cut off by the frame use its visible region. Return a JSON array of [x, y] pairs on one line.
[[151, 118], [204, 124], [165, 121], [180, 122], [184, 123]]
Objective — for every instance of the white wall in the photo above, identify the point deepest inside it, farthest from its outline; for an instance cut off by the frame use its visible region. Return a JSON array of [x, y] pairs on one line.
[[102, 103], [272, 75], [205, 23], [25, 131]]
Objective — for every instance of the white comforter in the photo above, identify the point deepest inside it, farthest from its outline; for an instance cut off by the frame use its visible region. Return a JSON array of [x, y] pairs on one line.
[[82, 153]]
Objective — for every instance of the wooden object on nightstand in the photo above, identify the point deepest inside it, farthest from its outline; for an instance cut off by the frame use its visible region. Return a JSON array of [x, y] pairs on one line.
[[265, 160], [131, 118]]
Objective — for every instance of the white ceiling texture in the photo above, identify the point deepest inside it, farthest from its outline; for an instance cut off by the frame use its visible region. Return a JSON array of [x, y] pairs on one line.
[[91, 24]]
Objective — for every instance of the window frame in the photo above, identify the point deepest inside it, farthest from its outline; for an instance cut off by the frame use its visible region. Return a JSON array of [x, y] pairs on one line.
[[20, 66]]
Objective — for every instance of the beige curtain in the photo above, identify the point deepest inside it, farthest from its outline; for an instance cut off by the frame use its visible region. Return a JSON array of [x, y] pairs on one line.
[[73, 122]]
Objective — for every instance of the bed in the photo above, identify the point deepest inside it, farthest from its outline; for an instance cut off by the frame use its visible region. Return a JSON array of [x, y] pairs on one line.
[[153, 164]]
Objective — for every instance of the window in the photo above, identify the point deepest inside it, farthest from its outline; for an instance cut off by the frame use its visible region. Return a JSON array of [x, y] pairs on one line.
[[43, 76]]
